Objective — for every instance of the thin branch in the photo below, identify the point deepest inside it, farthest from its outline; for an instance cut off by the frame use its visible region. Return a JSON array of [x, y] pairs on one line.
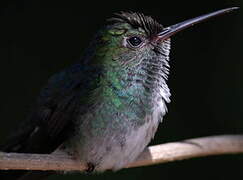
[[198, 147]]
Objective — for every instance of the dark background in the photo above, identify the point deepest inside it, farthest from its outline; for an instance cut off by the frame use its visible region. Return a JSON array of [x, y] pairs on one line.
[[39, 38]]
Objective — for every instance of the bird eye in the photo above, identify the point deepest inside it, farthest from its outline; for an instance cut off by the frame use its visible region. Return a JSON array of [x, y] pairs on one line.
[[135, 41]]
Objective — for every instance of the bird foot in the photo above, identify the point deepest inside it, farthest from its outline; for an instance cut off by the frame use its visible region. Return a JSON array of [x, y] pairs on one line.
[[90, 167]]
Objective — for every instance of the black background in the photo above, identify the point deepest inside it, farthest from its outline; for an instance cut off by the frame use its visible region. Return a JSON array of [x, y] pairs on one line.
[[39, 38]]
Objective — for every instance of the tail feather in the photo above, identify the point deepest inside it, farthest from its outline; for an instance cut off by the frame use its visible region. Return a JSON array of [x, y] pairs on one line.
[[36, 175], [24, 175]]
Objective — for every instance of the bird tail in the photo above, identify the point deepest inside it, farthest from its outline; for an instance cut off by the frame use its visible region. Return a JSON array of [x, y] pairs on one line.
[[24, 175], [10, 146]]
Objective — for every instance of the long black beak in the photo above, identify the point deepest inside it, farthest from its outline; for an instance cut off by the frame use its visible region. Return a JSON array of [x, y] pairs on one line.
[[171, 30]]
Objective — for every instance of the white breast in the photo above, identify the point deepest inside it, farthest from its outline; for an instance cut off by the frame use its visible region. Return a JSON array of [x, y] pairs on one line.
[[136, 141]]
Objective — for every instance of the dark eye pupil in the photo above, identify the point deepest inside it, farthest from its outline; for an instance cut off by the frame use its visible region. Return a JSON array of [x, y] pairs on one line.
[[135, 41]]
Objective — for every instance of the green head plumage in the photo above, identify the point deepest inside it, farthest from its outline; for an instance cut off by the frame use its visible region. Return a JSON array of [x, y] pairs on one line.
[[128, 38], [132, 50], [129, 34], [132, 60]]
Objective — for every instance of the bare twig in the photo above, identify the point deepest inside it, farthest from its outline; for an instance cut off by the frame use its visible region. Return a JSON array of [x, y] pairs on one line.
[[198, 147]]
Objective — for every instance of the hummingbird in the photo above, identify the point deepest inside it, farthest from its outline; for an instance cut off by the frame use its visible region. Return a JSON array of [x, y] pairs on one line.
[[105, 109]]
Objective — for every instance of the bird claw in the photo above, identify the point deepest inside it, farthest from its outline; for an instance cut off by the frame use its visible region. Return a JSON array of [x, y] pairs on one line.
[[90, 167]]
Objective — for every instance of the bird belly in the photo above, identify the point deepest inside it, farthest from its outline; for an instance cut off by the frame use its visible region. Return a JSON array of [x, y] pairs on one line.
[[113, 147]]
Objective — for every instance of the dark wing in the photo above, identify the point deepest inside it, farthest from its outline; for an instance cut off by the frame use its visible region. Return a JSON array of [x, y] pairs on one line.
[[52, 119]]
